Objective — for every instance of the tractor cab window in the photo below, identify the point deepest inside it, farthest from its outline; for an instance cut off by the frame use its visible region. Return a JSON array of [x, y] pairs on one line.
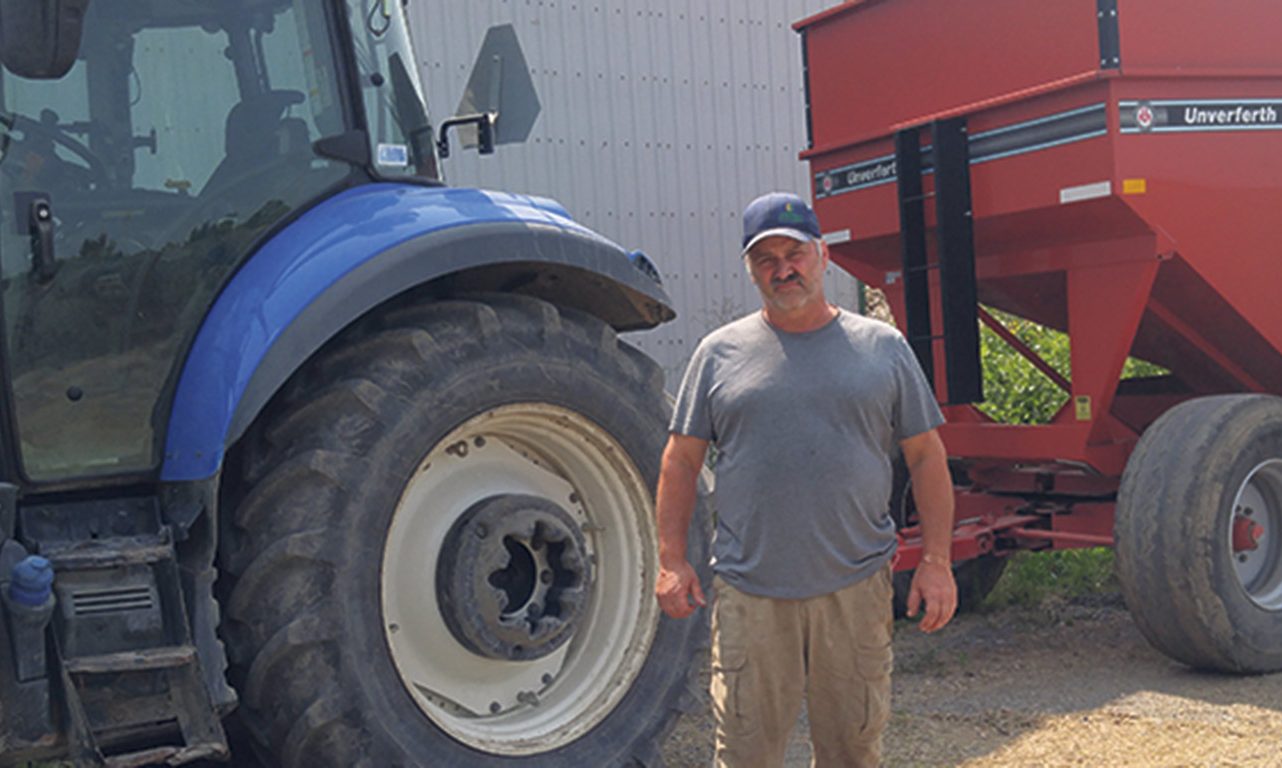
[[401, 142], [181, 135]]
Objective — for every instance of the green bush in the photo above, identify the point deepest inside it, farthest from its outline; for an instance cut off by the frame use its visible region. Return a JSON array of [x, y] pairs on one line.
[[1016, 392]]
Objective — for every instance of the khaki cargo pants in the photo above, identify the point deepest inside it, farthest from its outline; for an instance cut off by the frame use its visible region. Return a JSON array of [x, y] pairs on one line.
[[833, 649]]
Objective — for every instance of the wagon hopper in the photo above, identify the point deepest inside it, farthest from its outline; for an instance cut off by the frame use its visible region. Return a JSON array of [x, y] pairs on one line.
[[1111, 170]]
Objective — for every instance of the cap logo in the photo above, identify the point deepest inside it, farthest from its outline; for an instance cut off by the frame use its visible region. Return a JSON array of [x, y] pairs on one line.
[[790, 216]]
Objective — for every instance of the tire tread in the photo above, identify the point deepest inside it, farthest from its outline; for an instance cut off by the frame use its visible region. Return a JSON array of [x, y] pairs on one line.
[[279, 558], [1166, 548]]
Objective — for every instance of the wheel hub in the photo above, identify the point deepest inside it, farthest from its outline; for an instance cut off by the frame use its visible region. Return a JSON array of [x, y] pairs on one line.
[[513, 577], [1246, 534], [1256, 554]]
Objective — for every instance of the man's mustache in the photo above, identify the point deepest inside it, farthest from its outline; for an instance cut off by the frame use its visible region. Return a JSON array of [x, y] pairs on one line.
[[793, 278]]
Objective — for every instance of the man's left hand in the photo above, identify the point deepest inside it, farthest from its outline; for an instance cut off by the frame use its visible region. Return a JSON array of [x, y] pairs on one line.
[[934, 584]]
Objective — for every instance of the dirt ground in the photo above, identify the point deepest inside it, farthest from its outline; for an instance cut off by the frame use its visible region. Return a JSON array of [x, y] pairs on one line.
[[1069, 684]]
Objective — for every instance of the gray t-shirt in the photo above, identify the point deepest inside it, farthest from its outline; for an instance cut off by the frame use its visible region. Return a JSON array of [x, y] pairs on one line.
[[805, 426]]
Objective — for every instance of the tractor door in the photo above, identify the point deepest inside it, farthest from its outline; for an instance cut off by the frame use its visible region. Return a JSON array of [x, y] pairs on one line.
[[130, 189]]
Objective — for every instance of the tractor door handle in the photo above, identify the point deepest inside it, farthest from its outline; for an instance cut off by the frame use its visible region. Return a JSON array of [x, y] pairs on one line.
[[40, 224]]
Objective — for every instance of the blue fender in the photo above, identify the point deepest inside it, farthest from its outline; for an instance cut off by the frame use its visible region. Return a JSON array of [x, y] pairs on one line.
[[351, 253]]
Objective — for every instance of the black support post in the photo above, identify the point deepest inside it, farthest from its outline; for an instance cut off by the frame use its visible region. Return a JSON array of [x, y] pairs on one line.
[[956, 240], [912, 239]]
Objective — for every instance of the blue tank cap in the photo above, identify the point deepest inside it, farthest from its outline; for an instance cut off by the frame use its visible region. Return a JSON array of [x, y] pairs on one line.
[[31, 581]]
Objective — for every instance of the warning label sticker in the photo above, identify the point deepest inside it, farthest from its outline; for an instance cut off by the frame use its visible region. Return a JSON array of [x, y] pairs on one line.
[[1169, 116]]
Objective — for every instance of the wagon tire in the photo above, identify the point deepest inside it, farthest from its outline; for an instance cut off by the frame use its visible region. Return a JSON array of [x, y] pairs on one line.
[[1199, 533], [414, 424]]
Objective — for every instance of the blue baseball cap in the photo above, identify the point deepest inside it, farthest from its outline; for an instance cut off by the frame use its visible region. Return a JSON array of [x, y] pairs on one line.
[[779, 213]]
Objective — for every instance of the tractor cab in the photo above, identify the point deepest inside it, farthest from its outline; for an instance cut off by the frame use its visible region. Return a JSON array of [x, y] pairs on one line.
[[146, 149]]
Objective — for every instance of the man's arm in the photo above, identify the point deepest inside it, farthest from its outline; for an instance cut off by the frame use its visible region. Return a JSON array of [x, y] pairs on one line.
[[933, 582], [677, 586]]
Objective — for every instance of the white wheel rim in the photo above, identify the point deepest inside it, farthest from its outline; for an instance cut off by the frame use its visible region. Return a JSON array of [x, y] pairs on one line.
[[542, 450], [1259, 500]]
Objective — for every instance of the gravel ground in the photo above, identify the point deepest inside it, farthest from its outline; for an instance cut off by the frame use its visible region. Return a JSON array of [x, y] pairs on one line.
[[1069, 684]]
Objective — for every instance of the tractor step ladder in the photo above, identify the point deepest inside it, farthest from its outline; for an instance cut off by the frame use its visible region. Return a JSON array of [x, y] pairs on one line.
[[949, 160], [127, 657]]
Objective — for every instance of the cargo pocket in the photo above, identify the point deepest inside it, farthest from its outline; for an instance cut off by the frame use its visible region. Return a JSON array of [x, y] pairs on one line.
[[874, 654], [874, 665], [731, 699]]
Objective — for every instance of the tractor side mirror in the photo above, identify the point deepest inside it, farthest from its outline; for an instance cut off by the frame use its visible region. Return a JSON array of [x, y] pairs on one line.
[[500, 104], [40, 40]]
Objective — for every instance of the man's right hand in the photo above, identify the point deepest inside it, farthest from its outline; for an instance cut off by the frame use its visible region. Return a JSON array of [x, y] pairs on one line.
[[678, 590], [677, 586]]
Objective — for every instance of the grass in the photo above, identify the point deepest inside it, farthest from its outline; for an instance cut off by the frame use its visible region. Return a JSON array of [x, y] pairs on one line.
[[1032, 578]]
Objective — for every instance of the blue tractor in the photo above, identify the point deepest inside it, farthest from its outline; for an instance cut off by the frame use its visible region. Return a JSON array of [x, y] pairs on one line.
[[297, 438]]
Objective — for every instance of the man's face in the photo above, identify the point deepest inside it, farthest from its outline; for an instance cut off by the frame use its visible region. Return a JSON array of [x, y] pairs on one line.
[[788, 273]]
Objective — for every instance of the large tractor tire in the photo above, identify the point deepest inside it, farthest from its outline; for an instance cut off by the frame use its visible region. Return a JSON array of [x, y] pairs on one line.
[[975, 578], [1199, 533], [444, 549]]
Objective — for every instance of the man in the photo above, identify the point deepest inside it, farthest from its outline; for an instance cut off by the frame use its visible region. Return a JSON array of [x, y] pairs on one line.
[[806, 404]]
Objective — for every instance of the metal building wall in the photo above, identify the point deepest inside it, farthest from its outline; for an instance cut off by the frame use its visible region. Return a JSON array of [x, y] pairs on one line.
[[661, 119]]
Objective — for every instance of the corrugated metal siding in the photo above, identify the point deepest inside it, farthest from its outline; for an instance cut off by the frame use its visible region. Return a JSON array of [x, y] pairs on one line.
[[661, 119]]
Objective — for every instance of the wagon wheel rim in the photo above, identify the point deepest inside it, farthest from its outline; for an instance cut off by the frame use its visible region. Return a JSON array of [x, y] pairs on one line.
[[1255, 535], [523, 706]]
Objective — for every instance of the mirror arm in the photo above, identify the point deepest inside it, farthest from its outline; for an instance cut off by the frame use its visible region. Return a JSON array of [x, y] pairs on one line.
[[484, 122]]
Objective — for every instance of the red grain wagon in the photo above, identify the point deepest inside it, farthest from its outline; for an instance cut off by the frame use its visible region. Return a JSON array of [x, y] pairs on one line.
[[1111, 169]]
